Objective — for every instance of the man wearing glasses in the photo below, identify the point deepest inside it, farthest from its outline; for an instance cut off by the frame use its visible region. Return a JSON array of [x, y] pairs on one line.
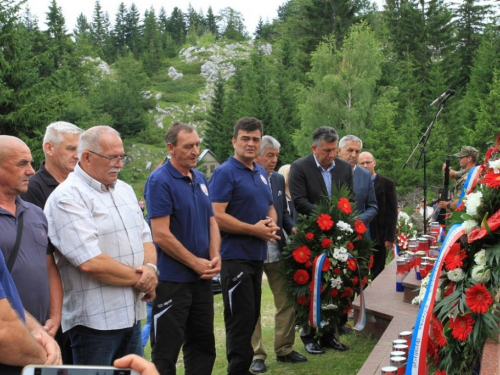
[[105, 252]]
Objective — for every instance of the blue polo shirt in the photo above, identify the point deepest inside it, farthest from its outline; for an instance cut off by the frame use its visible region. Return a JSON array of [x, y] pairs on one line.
[[8, 290], [248, 196], [170, 193]]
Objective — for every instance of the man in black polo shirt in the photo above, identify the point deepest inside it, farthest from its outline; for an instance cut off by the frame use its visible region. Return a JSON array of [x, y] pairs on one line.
[[59, 146]]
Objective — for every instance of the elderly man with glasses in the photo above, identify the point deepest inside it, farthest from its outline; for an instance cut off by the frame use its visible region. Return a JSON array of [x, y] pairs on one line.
[[105, 252]]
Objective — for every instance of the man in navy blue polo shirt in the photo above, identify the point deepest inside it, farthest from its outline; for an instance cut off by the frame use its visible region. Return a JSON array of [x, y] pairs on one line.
[[244, 210], [187, 243]]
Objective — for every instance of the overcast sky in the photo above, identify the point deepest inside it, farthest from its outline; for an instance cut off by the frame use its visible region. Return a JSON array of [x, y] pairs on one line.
[[250, 9]]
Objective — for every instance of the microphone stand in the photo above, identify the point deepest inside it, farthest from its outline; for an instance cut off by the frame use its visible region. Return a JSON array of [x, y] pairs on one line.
[[423, 152]]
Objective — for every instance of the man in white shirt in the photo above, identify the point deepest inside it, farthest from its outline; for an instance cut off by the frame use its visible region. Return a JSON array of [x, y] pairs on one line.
[[105, 252]]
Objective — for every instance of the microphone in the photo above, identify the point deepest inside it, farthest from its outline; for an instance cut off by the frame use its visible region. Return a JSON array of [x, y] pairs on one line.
[[442, 97]]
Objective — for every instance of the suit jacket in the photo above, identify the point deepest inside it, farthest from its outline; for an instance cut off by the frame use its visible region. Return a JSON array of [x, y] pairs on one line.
[[285, 220], [383, 226], [366, 202], [307, 186]]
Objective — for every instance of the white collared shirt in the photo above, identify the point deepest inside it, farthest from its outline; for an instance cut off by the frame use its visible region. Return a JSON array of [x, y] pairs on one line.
[[86, 220]]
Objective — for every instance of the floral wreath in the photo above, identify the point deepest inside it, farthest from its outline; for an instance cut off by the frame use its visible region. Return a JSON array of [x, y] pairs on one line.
[[332, 229], [468, 311]]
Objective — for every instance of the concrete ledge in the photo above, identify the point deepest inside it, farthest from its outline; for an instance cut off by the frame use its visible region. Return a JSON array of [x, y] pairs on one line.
[[387, 315], [490, 364]]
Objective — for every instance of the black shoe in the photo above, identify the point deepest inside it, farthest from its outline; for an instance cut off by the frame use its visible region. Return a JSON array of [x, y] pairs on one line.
[[335, 344], [313, 348], [292, 357], [345, 330], [258, 366]]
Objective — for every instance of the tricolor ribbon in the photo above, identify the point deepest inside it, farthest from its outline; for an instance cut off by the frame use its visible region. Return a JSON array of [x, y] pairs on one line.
[[395, 250], [315, 306], [417, 357], [470, 182]]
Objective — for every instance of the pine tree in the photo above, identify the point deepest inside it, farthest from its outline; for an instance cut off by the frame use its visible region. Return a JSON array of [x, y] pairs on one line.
[[233, 24], [133, 31], [151, 42], [60, 44], [120, 30], [211, 23]]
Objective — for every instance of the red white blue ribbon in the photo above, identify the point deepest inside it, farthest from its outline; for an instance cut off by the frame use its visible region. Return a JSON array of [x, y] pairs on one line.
[[417, 357], [315, 306], [395, 250], [470, 182]]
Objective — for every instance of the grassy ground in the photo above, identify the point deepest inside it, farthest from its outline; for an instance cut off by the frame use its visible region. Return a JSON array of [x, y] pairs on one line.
[[331, 363]]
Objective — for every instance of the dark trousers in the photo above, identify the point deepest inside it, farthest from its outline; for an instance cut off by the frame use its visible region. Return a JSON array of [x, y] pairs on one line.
[[101, 348], [379, 257], [241, 291], [183, 316], [64, 343], [308, 338]]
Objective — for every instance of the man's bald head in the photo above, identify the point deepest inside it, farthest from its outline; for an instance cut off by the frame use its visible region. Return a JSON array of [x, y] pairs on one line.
[[367, 161], [9, 143]]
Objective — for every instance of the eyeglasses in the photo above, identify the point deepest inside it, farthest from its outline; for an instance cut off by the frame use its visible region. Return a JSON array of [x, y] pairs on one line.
[[112, 161], [366, 163]]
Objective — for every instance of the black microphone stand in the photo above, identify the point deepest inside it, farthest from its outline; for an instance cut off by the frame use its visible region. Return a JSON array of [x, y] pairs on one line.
[[423, 152]]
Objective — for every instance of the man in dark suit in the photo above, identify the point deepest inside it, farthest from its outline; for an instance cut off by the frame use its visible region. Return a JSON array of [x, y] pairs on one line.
[[284, 319], [383, 226], [366, 203], [311, 181]]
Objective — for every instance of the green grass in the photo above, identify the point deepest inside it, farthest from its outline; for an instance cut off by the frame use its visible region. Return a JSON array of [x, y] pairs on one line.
[[331, 363]]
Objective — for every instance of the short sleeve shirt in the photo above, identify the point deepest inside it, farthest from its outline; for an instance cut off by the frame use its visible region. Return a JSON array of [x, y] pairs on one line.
[[29, 272], [248, 196], [187, 202]]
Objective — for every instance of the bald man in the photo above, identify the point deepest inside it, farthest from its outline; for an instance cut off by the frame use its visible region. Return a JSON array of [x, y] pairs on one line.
[[33, 267], [383, 226]]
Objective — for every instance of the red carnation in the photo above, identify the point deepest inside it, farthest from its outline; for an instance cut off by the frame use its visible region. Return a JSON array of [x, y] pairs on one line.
[[351, 264], [370, 263], [334, 292], [454, 257], [325, 222], [438, 332], [301, 254], [491, 179], [309, 235], [326, 243], [350, 246], [359, 227], [461, 327], [326, 265], [301, 277], [355, 280], [348, 292], [344, 205], [303, 300], [364, 281], [478, 299], [336, 271]]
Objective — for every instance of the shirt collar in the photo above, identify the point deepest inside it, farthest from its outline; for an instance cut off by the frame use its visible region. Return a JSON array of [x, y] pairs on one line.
[[176, 174], [320, 167], [240, 165], [93, 183]]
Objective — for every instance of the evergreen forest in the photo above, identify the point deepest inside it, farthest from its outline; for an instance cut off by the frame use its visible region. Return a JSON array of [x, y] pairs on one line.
[[344, 63]]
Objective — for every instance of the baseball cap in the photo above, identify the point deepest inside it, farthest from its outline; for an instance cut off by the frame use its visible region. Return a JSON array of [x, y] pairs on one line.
[[467, 151]]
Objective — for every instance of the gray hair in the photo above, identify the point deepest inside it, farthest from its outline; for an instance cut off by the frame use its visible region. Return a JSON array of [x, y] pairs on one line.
[[268, 141], [351, 138], [54, 132], [89, 140], [324, 133]]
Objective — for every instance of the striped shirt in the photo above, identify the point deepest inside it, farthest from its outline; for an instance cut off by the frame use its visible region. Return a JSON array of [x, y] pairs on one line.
[[86, 220]]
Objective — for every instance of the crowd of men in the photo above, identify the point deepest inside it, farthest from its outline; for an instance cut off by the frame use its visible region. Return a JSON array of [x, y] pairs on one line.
[[79, 261]]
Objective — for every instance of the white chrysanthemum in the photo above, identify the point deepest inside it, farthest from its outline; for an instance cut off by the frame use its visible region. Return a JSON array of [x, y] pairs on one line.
[[424, 282], [331, 306], [481, 274], [469, 225], [456, 275], [472, 202], [344, 226], [495, 164], [416, 301], [336, 282], [340, 253], [480, 257], [423, 288]]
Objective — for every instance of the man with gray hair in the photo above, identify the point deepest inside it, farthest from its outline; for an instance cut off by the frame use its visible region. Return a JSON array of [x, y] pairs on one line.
[[366, 202], [284, 318], [104, 252], [59, 146]]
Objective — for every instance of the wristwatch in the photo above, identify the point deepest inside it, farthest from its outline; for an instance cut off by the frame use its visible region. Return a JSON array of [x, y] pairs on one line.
[[157, 273]]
